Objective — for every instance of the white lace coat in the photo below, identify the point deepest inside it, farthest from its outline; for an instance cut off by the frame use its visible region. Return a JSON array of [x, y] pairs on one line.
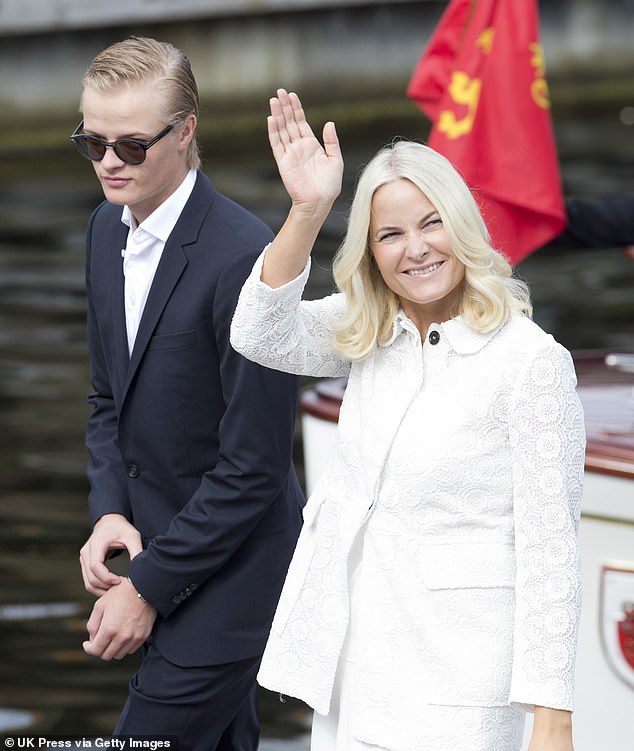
[[461, 463]]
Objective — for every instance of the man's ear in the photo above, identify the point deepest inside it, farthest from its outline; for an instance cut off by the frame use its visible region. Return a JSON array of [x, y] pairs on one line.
[[188, 130]]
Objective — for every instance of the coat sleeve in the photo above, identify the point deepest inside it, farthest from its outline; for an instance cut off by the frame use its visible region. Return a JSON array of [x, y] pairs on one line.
[[254, 469], [547, 438], [276, 328]]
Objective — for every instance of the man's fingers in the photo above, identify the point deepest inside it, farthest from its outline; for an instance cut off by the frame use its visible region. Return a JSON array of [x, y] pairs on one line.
[[101, 575], [97, 577], [106, 648], [103, 641], [118, 625], [113, 534], [134, 545], [94, 622], [91, 584]]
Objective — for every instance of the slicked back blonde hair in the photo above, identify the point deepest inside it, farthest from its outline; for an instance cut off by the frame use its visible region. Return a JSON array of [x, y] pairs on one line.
[[490, 292], [141, 60]]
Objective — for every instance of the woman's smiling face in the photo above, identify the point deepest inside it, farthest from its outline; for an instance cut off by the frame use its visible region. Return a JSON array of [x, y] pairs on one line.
[[413, 253]]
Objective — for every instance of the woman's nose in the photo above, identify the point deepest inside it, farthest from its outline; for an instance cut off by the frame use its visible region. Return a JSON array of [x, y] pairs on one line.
[[417, 247]]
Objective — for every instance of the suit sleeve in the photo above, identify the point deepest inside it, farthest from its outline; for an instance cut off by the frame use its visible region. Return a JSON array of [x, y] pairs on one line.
[[547, 438], [251, 474], [604, 223], [106, 471]]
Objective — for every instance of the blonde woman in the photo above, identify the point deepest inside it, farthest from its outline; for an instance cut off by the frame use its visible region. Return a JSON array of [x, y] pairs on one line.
[[433, 597]]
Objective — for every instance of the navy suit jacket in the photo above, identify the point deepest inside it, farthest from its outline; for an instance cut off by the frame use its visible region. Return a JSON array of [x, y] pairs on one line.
[[189, 440], [603, 223]]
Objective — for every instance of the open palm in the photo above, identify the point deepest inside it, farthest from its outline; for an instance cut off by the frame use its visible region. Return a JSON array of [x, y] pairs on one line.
[[311, 173]]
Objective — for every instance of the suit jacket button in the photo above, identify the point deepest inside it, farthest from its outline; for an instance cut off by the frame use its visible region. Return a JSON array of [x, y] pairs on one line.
[[133, 470]]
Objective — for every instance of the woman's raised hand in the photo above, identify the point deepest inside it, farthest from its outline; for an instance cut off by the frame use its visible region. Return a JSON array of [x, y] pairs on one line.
[[311, 173]]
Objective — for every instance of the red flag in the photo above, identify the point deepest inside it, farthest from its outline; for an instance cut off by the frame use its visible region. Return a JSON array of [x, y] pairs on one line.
[[481, 80]]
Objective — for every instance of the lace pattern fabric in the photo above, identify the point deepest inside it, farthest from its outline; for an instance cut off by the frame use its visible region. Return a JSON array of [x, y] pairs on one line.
[[461, 465], [289, 337]]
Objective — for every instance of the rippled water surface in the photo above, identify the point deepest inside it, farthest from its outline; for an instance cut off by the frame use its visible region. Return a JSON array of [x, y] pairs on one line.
[[586, 298]]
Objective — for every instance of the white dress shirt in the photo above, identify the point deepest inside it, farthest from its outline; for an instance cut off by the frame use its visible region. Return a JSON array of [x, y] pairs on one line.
[[144, 249]]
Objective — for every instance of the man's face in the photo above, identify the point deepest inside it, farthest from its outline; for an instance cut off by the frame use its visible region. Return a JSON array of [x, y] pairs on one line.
[[134, 111]]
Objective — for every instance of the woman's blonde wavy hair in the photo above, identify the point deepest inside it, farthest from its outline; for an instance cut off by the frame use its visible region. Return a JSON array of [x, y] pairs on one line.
[[143, 60], [490, 292]]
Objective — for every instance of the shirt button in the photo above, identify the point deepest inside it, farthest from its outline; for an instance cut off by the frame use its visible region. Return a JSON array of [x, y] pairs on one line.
[[434, 337], [133, 470]]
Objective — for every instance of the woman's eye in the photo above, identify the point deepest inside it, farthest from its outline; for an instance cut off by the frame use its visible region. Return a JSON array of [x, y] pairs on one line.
[[433, 223], [388, 236]]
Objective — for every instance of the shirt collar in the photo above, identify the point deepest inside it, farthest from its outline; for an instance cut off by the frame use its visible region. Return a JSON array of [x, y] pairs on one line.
[[462, 339], [163, 219]]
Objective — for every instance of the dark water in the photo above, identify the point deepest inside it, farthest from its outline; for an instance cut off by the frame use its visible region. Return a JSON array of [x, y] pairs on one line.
[[585, 298]]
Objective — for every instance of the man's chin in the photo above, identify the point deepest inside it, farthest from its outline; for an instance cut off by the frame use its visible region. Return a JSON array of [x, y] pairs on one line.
[[116, 193], [113, 196]]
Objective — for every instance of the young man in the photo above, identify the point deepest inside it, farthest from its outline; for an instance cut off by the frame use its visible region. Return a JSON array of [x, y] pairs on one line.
[[189, 444]]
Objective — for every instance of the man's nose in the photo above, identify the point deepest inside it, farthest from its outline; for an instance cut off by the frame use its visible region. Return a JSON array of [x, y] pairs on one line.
[[110, 159]]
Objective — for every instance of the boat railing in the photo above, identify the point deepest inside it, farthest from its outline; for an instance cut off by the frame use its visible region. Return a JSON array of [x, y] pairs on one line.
[[620, 361]]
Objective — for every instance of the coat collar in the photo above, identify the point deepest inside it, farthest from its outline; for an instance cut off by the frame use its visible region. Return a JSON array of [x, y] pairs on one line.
[[462, 339]]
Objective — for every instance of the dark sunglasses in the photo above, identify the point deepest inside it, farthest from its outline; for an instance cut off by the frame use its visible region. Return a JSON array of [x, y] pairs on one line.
[[129, 150]]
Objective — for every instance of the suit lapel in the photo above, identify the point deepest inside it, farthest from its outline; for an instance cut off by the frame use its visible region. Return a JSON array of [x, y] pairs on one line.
[[117, 301], [171, 266]]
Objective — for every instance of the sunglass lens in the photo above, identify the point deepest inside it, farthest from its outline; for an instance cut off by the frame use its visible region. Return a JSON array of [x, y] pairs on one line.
[[92, 148], [88, 150], [129, 152]]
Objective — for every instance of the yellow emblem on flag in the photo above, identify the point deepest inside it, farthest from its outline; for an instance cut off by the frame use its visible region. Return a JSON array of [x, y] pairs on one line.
[[539, 87], [485, 40], [466, 91]]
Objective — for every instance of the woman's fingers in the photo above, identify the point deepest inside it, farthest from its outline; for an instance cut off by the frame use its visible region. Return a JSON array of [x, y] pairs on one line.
[[311, 173], [288, 118], [331, 141], [289, 114], [279, 115], [299, 117]]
